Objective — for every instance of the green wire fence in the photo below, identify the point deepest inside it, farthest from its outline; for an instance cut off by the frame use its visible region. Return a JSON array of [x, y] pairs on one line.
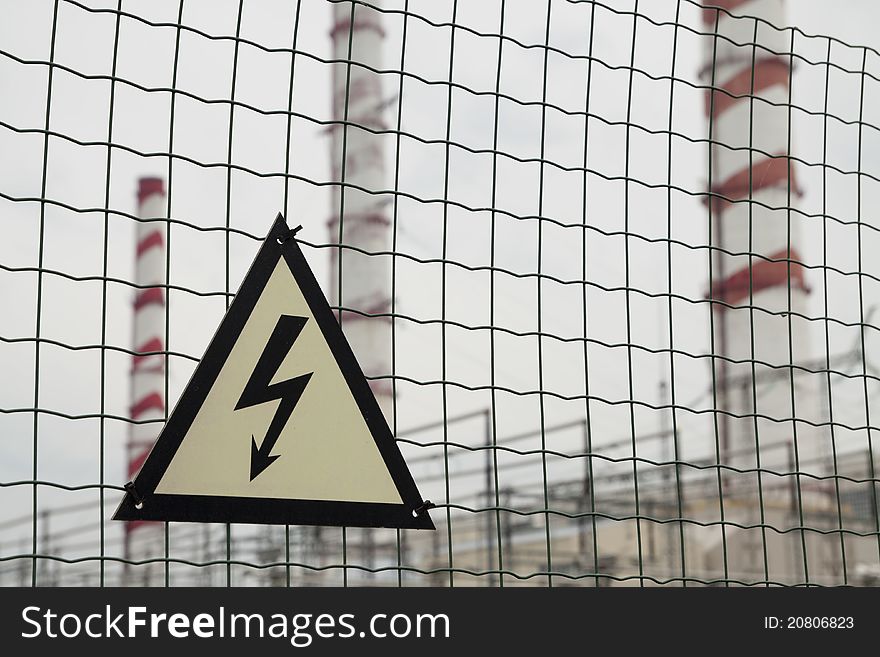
[[610, 360]]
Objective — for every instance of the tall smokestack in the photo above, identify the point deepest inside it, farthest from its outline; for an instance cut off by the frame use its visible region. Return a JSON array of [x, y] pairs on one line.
[[359, 219], [755, 238], [147, 368]]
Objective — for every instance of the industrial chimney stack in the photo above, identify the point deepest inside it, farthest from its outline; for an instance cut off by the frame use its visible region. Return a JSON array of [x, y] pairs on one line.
[[758, 283], [148, 361], [758, 288], [359, 221]]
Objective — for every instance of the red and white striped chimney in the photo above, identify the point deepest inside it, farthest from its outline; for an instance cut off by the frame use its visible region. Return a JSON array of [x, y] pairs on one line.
[[147, 367], [758, 240], [366, 280]]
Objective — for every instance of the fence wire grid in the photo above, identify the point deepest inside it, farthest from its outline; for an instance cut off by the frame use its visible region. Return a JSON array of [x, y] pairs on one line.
[[625, 346]]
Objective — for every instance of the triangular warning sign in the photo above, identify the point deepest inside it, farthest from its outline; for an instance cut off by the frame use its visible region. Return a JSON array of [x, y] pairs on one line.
[[278, 424]]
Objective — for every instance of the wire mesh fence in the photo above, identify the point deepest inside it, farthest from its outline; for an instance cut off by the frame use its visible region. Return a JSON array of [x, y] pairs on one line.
[[622, 253]]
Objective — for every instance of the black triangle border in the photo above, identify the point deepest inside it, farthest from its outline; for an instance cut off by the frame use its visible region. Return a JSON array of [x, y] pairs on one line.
[[412, 514]]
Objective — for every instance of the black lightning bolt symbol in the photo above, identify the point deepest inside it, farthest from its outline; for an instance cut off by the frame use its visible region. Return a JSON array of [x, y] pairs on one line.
[[259, 390]]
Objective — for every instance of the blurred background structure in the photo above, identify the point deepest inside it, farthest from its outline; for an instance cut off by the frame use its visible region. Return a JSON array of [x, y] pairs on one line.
[[607, 266]]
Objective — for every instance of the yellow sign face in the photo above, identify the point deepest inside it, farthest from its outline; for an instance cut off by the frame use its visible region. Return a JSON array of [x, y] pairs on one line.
[[325, 450], [278, 424]]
